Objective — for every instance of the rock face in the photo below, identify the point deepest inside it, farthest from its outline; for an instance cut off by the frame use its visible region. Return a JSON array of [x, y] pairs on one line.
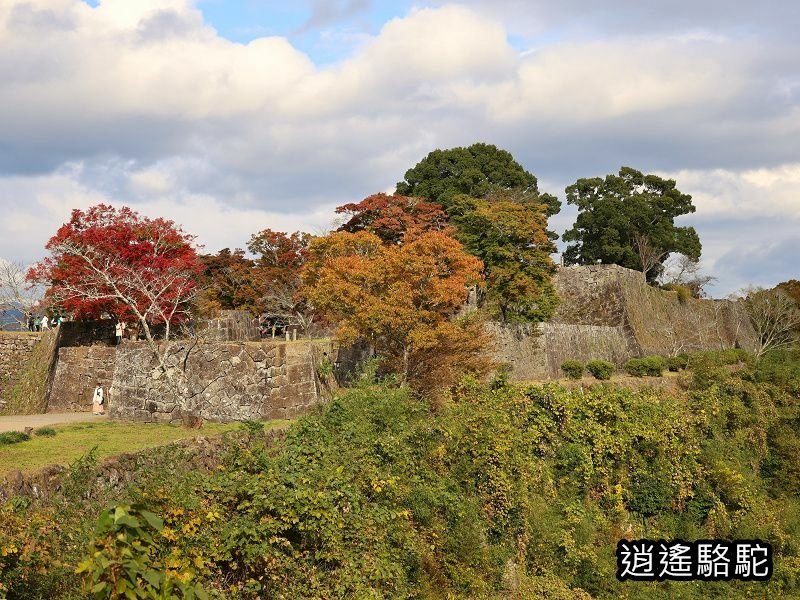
[[231, 381], [608, 312], [77, 372], [231, 326], [15, 351]]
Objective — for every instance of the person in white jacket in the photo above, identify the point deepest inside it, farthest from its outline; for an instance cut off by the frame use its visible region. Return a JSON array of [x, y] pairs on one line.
[[98, 400]]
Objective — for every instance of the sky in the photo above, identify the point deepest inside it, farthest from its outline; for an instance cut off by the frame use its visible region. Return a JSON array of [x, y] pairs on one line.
[[232, 116]]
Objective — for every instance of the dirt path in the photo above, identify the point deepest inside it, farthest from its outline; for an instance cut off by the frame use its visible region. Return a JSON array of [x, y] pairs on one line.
[[19, 423]]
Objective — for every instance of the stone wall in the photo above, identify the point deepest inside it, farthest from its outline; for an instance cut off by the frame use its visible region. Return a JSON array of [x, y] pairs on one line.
[[78, 371], [608, 312], [87, 333], [223, 381], [231, 326], [536, 352], [15, 351]]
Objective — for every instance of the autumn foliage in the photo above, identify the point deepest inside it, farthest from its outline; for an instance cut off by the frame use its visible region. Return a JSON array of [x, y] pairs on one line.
[[401, 299], [395, 219], [269, 283], [512, 240], [115, 262], [227, 282]]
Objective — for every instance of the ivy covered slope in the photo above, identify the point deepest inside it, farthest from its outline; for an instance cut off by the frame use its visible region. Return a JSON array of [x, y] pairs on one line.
[[505, 492]]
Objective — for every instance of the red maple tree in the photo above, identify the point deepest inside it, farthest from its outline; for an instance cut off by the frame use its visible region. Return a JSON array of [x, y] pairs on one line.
[[395, 219], [115, 262], [280, 259]]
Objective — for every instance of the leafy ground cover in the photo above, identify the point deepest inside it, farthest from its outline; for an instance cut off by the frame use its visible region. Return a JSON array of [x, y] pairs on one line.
[[73, 441], [505, 492]]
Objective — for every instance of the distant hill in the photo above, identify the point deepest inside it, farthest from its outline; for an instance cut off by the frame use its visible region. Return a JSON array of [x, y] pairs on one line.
[[10, 319]]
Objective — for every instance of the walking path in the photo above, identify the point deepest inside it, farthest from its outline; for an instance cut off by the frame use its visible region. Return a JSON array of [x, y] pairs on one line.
[[20, 422]]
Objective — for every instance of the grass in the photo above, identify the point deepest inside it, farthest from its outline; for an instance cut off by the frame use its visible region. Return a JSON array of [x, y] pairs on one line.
[[111, 438], [13, 437]]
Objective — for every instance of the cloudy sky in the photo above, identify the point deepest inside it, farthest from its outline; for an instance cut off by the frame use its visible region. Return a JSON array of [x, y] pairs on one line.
[[230, 116]]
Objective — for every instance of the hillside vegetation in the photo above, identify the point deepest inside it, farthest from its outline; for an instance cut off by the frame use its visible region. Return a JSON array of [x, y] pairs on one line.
[[504, 492]]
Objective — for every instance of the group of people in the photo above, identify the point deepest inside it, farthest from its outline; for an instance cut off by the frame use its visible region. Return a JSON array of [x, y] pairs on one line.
[[43, 322]]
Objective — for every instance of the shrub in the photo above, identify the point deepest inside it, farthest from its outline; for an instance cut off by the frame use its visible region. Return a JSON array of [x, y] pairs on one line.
[[325, 369], [649, 365], [13, 437], [252, 427], [572, 368], [600, 369], [684, 292], [124, 561], [678, 363], [45, 431]]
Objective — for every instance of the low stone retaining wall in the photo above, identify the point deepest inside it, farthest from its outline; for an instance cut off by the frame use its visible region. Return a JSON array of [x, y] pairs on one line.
[[224, 381]]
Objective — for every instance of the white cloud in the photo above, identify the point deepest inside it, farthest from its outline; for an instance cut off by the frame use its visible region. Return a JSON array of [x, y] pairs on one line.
[[143, 102], [34, 208], [742, 195]]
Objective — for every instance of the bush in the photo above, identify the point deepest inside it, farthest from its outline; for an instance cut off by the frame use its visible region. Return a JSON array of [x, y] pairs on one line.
[[649, 365], [572, 368], [601, 369], [678, 363], [684, 292], [44, 432], [13, 437]]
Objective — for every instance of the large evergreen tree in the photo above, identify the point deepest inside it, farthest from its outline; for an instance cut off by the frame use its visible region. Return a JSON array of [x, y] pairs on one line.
[[476, 171], [629, 220]]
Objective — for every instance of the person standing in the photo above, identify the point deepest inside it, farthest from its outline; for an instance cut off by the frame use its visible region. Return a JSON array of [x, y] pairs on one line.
[[120, 331], [45, 323], [98, 399]]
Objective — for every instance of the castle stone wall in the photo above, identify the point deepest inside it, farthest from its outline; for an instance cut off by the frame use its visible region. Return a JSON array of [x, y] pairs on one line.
[[231, 326], [15, 351], [608, 312], [78, 371], [223, 381]]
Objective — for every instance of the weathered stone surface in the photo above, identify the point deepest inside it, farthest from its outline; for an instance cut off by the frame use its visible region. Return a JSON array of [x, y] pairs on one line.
[[15, 350], [78, 371], [231, 326], [608, 312], [223, 381]]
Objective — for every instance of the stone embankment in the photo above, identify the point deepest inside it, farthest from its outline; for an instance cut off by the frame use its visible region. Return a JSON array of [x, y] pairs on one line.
[[608, 312], [15, 351]]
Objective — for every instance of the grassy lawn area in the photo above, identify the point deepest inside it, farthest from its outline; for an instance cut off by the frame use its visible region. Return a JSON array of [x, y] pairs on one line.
[[112, 437]]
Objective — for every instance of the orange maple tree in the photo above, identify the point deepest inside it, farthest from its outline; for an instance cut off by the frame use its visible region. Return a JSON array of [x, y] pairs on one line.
[[402, 299], [393, 218]]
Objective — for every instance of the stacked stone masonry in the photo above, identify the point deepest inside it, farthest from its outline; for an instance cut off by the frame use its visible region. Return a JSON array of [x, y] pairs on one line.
[[15, 350], [222, 381], [608, 312], [78, 371]]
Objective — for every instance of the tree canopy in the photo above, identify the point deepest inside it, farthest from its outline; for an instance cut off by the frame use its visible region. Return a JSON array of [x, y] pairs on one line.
[[395, 219], [629, 219], [511, 239], [399, 298], [113, 261], [228, 282], [476, 171], [279, 263]]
